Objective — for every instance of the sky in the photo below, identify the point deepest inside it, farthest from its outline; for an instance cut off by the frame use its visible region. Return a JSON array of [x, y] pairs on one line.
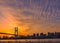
[[30, 16]]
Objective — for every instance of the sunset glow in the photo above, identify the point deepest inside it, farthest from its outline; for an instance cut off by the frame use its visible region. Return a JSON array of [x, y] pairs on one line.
[[30, 16]]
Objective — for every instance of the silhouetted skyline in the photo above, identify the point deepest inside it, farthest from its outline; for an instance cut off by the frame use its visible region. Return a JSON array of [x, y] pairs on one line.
[[49, 35]]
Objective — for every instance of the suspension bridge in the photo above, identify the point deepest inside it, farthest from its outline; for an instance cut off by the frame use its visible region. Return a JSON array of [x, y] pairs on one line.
[[15, 32]]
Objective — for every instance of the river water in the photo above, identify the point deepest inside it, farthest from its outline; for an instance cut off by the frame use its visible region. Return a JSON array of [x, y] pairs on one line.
[[31, 41]]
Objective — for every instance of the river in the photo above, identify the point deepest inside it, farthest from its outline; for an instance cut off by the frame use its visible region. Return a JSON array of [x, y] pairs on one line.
[[31, 41]]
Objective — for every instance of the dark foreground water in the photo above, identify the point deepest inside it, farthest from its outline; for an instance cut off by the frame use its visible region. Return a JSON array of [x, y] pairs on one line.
[[31, 41]]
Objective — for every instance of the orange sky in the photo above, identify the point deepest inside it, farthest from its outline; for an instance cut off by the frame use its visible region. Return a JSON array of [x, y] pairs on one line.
[[29, 16]]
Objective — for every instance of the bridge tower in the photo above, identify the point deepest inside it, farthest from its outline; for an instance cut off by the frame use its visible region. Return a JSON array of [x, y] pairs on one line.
[[16, 32]]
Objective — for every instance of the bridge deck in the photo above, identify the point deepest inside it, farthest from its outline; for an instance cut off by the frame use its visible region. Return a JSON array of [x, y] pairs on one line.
[[6, 33]]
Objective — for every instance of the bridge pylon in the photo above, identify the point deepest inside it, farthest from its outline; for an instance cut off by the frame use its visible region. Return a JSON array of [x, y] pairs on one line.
[[16, 32]]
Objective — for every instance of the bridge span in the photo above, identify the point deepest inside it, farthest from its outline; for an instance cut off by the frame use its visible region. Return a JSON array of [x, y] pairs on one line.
[[6, 33], [15, 32]]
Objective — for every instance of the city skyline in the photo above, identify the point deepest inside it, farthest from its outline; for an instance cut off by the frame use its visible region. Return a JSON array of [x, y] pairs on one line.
[[30, 16]]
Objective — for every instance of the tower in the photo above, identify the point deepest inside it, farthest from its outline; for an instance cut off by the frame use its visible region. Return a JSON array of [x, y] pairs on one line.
[[16, 32]]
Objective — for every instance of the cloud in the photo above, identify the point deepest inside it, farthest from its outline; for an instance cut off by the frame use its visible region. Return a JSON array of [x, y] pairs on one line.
[[31, 15]]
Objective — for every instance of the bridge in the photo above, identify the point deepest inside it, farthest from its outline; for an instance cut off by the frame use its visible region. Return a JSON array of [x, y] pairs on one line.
[[15, 32], [6, 33]]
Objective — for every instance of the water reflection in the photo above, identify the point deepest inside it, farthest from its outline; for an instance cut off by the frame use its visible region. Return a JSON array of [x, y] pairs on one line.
[[31, 41]]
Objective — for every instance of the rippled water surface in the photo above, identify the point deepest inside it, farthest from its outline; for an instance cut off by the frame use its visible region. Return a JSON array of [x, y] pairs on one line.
[[31, 41]]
